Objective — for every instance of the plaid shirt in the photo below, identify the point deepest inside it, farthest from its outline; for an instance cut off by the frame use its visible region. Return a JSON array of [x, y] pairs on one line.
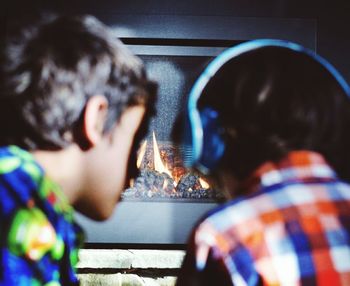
[[293, 228], [39, 240]]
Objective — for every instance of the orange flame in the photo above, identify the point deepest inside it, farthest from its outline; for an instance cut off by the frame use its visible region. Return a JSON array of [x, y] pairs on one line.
[[158, 164], [204, 184], [141, 154]]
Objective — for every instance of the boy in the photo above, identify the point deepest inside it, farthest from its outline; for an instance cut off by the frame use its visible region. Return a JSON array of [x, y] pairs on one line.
[[268, 121], [72, 102]]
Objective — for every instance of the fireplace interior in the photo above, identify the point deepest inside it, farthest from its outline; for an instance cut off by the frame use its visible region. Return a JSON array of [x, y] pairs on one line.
[[163, 176]]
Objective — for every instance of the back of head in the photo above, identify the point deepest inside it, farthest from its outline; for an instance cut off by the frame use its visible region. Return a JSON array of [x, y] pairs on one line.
[[272, 99], [51, 68]]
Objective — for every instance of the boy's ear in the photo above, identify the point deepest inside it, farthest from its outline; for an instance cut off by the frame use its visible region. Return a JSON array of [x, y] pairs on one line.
[[94, 119]]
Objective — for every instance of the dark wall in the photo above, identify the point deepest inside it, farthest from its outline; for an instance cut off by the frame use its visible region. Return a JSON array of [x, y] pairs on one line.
[[334, 42], [333, 17], [243, 8]]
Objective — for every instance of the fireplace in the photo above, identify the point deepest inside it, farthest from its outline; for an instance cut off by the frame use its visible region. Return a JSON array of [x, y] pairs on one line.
[[162, 205], [163, 176]]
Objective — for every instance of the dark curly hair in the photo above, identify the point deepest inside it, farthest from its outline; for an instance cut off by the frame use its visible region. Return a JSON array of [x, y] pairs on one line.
[[48, 72], [274, 100]]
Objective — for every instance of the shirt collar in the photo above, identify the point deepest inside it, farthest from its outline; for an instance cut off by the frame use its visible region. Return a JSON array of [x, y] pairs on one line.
[[297, 166]]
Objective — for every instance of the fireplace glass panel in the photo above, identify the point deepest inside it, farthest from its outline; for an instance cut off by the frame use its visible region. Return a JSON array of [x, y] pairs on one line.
[[163, 176]]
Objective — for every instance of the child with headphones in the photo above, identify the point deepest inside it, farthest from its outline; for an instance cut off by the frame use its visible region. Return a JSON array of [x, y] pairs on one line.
[[268, 121]]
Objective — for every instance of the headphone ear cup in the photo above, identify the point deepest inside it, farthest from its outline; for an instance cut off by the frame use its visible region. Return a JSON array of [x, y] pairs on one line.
[[213, 147]]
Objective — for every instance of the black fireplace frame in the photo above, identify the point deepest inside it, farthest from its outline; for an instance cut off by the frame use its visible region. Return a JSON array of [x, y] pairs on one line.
[[170, 222]]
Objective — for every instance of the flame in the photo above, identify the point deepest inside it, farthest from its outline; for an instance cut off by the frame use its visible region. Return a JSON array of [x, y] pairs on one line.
[[141, 154], [158, 164], [165, 184], [204, 184]]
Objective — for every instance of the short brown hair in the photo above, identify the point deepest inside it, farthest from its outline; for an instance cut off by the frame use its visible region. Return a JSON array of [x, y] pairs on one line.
[[50, 71]]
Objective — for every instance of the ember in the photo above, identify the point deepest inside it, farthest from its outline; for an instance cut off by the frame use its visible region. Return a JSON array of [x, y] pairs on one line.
[[162, 175]]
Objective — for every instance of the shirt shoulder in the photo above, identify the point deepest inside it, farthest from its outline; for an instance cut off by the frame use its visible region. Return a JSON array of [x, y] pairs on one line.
[[268, 204], [39, 229]]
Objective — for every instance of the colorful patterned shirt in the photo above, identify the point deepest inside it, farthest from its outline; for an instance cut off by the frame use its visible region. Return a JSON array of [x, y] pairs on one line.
[[39, 239], [293, 228]]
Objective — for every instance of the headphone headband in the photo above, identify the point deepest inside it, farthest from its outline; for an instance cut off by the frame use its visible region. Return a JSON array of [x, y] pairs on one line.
[[194, 141]]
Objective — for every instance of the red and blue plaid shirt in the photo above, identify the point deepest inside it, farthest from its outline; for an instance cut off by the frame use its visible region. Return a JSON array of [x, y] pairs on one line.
[[292, 229]]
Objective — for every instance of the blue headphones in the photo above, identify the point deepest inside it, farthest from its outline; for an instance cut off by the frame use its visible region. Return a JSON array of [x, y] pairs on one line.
[[202, 144]]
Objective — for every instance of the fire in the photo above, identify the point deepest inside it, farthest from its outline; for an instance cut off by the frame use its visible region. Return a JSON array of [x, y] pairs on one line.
[[157, 159], [158, 164], [141, 154], [204, 184]]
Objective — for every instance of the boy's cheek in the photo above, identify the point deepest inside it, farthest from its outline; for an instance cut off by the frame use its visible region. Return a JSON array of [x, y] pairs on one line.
[[112, 164], [132, 169], [136, 136]]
